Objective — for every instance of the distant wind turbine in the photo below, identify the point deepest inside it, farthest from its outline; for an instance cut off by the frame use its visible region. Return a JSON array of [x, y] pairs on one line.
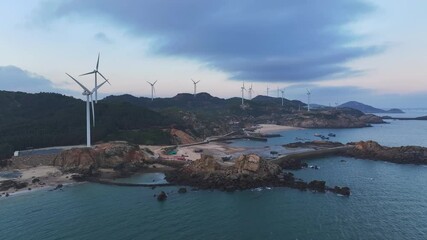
[[283, 94], [278, 92], [308, 100], [243, 92], [96, 72], [195, 86], [250, 91], [152, 89], [267, 90], [89, 101]]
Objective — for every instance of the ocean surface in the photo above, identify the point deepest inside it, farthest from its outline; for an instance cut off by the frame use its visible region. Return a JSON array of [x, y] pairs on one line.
[[388, 201]]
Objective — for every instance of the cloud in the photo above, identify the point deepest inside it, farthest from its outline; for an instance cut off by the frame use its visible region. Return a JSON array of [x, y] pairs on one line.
[[273, 41], [102, 37], [15, 79]]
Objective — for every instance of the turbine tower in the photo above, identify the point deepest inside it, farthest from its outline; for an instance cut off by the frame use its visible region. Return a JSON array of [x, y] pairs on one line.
[[308, 100], [195, 86], [96, 72], [267, 90], [283, 94], [278, 92], [243, 92], [89, 101], [250, 91], [152, 89]]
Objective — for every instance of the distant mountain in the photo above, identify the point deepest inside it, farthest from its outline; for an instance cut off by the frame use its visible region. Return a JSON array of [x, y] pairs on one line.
[[367, 109]]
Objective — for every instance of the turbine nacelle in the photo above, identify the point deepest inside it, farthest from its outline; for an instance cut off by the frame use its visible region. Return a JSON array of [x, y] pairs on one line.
[[96, 72]]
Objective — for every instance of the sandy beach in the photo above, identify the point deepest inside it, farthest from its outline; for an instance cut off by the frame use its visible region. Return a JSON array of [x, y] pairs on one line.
[[270, 128]]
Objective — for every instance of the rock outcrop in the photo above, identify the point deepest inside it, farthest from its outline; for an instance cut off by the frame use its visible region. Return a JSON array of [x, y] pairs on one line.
[[248, 171], [120, 156], [374, 151], [8, 184]]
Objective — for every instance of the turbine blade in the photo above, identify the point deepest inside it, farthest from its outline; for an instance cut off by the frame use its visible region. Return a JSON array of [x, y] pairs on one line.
[[197, 82], [97, 63], [193, 81], [93, 110], [155, 82], [81, 85], [97, 87], [87, 73], [104, 78]]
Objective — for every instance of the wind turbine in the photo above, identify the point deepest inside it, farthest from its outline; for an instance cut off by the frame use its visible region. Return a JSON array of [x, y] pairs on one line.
[[250, 91], [278, 92], [308, 100], [243, 92], [89, 101], [283, 94], [267, 90], [152, 89], [195, 86], [96, 72]]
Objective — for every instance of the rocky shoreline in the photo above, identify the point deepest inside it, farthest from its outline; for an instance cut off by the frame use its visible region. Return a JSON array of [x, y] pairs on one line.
[[120, 159], [249, 171]]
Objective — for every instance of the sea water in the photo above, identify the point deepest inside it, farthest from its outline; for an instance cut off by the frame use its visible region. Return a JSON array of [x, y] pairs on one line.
[[388, 201]]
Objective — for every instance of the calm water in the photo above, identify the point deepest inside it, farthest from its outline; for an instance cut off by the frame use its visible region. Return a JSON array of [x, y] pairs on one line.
[[388, 201]]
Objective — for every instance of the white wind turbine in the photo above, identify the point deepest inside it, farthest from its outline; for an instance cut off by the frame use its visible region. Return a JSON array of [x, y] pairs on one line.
[[267, 90], [195, 86], [96, 72], [89, 101], [283, 94], [243, 92], [152, 89], [308, 100], [250, 91]]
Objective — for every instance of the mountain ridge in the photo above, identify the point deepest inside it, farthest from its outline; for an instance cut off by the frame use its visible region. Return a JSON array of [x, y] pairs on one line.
[[367, 108]]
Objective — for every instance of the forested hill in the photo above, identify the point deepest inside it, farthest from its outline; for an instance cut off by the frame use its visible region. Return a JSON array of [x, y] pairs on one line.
[[49, 119]]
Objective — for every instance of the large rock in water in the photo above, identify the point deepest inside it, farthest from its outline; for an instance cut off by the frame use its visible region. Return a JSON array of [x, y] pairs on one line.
[[249, 171], [373, 150], [118, 155], [205, 163], [254, 164]]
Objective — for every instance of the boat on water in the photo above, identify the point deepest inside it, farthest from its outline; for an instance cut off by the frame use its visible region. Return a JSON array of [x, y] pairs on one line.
[[332, 135]]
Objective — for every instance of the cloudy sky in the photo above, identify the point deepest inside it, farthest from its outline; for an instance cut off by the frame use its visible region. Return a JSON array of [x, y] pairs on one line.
[[372, 51]]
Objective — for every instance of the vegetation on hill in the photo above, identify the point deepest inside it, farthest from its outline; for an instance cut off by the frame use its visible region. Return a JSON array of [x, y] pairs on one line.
[[49, 119]]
